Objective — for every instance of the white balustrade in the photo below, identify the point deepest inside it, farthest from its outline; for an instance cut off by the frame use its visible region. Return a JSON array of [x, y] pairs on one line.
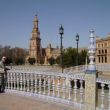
[[31, 82], [53, 85], [18, 78], [44, 85], [24, 82], [64, 88], [109, 97], [75, 90], [21, 82], [28, 82], [56, 85], [11, 80], [35, 83], [8, 81], [49, 85], [81, 91], [14, 80], [69, 89], [40, 84], [102, 95]]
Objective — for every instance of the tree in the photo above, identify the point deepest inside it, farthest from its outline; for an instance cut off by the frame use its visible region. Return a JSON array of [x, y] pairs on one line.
[[82, 57], [70, 55], [31, 61], [57, 60], [51, 61], [14, 55]]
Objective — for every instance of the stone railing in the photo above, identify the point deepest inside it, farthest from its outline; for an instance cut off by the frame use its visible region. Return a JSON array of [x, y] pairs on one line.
[[48, 85], [103, 96], [99, 67], [58, 87]]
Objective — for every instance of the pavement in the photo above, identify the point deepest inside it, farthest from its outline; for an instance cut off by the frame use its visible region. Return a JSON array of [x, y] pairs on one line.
[[17, 102]]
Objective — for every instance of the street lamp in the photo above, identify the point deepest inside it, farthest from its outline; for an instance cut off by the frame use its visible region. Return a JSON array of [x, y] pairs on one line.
[[61, 32], [77, 59]]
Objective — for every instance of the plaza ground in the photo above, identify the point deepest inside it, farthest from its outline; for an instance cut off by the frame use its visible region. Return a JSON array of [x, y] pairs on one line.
[[15, 102]]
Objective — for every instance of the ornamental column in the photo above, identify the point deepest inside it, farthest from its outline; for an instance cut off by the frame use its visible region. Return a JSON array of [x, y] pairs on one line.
[[90, 76]]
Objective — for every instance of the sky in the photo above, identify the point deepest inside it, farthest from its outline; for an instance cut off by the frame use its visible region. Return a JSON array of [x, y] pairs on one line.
[[76, 16]]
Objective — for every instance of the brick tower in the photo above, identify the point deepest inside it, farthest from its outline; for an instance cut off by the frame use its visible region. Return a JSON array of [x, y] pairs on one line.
[[35, 42]]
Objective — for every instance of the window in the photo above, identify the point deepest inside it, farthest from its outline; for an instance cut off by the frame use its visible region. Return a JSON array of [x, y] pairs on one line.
[[99, 59], [99, 51], [105, 59], [102, 59], [105, 50]]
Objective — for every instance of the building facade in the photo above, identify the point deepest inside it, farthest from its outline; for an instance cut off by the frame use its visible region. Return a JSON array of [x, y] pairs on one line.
[[103, 50], [36, 51]]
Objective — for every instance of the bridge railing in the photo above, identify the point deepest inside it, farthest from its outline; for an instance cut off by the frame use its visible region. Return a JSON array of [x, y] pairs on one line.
[[57, 86], [61, 87]]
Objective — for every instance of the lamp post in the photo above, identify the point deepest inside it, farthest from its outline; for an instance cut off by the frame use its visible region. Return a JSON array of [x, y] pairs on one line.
[[61, 32], [77, 59]]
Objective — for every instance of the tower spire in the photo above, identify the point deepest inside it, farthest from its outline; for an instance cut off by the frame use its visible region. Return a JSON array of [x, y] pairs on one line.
[[35, 21]]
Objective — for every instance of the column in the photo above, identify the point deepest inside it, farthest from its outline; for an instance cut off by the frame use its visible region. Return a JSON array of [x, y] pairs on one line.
[[90, 76]]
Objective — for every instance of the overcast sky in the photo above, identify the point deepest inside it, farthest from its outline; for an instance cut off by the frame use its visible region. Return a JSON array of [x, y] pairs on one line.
[[76, 16]]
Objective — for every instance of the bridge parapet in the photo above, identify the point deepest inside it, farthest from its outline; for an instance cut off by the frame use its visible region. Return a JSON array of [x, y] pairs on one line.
[[59, 87]]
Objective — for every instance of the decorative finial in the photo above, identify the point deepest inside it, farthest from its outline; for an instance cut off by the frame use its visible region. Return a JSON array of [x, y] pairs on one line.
[[91, 51]]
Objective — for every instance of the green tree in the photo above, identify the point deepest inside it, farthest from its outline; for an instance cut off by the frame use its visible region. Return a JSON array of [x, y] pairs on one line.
[[31, 61], [51, 61], [82, 57], [69, 57]]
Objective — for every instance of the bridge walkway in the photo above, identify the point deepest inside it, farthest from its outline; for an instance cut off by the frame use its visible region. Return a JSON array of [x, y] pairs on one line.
[[17, 102]]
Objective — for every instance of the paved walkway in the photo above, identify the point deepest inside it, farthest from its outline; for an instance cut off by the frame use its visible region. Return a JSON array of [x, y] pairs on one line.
[[14, 102]]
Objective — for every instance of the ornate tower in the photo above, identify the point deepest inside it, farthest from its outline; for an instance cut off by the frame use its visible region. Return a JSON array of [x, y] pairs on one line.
[[35, 42]]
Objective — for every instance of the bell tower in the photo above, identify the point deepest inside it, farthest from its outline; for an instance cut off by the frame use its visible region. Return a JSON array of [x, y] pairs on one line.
[[35, 42]]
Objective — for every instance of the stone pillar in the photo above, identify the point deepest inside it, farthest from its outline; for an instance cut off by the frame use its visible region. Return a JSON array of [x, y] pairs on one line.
[[90, 77], [90, 90]]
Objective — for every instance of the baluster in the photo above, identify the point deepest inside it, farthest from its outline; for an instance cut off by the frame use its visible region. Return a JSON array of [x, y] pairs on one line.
[[24, 82], [81, 91], [69, 87], [8, 81], [48, 85], [44, 85], [14, 80], [17, 81], [21, 82], [58, 87], [109, 97], [11, 79], [102, 95], [35, 83], [28, 81], [64, 87], [75, 90], [53, 85], [40, 84], [31, 79]]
